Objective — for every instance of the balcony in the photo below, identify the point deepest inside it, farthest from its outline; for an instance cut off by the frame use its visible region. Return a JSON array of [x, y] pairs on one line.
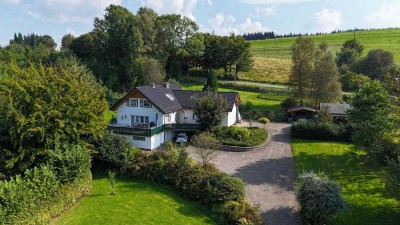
[[137, 130]]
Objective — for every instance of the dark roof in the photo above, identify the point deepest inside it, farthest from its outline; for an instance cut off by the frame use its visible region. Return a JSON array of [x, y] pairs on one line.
[[187, 99], [181, 99], [300, 108], [157, 95]]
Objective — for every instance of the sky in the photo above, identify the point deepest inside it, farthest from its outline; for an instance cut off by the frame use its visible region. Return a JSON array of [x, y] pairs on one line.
[[59, 17]]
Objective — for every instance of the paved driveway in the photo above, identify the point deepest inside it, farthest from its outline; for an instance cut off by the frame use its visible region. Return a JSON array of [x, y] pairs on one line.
[[269, 175]]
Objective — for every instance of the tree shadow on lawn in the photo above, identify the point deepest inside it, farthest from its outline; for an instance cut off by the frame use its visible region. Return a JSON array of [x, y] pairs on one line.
[[278, 172], [282, 215]]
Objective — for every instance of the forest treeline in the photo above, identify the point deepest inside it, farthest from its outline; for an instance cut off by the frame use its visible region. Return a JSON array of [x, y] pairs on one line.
[[124, 50]]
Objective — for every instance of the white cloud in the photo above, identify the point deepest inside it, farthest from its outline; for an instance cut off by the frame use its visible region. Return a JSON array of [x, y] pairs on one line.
[[66, 11], [326, 21], [388, 15], [274, 2], [183, 7], [266, 11], [224, 25], [10, 1]]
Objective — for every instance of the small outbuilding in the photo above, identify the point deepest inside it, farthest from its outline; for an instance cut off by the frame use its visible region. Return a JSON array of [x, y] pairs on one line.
[[337, 111], [301, 113]]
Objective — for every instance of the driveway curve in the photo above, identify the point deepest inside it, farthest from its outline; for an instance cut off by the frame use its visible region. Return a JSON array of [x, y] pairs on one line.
[[268, 173]]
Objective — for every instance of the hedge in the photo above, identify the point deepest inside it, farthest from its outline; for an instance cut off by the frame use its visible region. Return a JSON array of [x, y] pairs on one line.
[[320, 131], [252, 88], [206, 185], [38, 197], [240, 136]]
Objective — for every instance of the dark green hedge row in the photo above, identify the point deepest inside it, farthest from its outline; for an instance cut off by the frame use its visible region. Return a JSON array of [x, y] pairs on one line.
[[252, 88], [222, 193], [240, 136], [44, 192], [320, 131]]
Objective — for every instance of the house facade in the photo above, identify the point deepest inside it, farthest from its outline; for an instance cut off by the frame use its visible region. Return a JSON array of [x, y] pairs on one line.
[[151, 115]]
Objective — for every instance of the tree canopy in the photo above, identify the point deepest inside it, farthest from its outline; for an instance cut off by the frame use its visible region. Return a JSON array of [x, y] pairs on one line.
[[43, 107]]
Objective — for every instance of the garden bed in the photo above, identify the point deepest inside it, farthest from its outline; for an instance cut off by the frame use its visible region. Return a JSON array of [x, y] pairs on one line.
[[241, 136]]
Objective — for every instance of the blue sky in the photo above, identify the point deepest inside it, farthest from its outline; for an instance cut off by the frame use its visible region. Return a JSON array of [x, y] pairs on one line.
[[60, 17]]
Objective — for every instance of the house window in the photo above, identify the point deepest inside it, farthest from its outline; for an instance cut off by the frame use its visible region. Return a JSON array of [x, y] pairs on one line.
[[168, 119], [133, 102], [145, 103], [138, 138], [139, 120]]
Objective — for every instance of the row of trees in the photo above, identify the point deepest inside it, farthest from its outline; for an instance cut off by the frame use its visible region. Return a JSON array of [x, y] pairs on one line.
[[124, 49]]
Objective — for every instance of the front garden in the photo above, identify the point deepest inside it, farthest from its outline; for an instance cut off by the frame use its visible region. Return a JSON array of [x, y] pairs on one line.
[[362, 184], [135, 202]]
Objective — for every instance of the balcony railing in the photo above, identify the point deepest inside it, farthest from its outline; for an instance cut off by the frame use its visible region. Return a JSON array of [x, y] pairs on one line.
[[150, 131], [138, 131], [182, 126]]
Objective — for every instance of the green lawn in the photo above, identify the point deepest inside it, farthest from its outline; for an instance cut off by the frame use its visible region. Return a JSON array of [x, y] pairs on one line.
[[262, 104], [272, 58], [386, 39], [361, 184], [136, 202]]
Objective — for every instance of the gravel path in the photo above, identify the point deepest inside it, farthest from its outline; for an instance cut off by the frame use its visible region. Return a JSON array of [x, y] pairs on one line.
[[269, 175]]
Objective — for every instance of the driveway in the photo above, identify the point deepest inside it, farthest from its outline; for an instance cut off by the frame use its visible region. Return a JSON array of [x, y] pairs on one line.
[[268, 173]]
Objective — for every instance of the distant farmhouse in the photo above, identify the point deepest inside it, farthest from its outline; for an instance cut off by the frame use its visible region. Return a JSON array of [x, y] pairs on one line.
[[151, 115]]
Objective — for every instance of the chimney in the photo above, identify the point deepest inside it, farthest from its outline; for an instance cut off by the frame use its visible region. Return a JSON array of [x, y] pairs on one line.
[[166, 84], [153, 85]]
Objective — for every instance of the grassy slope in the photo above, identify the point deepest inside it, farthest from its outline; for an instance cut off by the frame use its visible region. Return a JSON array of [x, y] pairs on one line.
[[272, 103], [270, 54], [136, 202], [361, 184]]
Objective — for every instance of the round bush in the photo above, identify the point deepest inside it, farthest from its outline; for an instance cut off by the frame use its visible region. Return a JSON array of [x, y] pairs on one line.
[[318, 198]]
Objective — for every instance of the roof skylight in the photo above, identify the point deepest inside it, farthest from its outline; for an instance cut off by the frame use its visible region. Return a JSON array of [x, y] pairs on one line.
[[171, 97]]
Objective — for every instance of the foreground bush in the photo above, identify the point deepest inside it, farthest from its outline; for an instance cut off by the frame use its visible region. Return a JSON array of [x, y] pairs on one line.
[[318, 198], [240, 136], [69, 162], [206, 185], [320, 131], [37, 197], [116, 151]]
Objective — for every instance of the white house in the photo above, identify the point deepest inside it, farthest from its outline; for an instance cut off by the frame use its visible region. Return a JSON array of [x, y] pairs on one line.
[[151, 115]]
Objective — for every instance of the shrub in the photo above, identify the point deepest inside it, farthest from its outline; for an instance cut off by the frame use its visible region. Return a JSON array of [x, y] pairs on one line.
[[263, 120], [69, 162], [320, 131], [392, 178], [353, 81], [240, 212], [116, 151], [240, 136], [318, 198], [289, 103]]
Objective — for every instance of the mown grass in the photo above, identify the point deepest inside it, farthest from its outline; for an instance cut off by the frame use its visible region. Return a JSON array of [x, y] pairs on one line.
[[135, 202], [386, 39], [272, 58], [260, 104], [362, 184]]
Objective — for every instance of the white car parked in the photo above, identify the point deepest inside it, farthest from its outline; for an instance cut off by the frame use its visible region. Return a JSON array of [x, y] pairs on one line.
[[182, 138]]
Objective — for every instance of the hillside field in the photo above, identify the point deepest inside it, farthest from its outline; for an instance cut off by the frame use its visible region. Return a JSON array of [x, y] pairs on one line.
[[272, 58]]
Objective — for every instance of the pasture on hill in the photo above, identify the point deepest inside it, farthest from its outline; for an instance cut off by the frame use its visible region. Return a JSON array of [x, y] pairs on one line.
[[272, 57]]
